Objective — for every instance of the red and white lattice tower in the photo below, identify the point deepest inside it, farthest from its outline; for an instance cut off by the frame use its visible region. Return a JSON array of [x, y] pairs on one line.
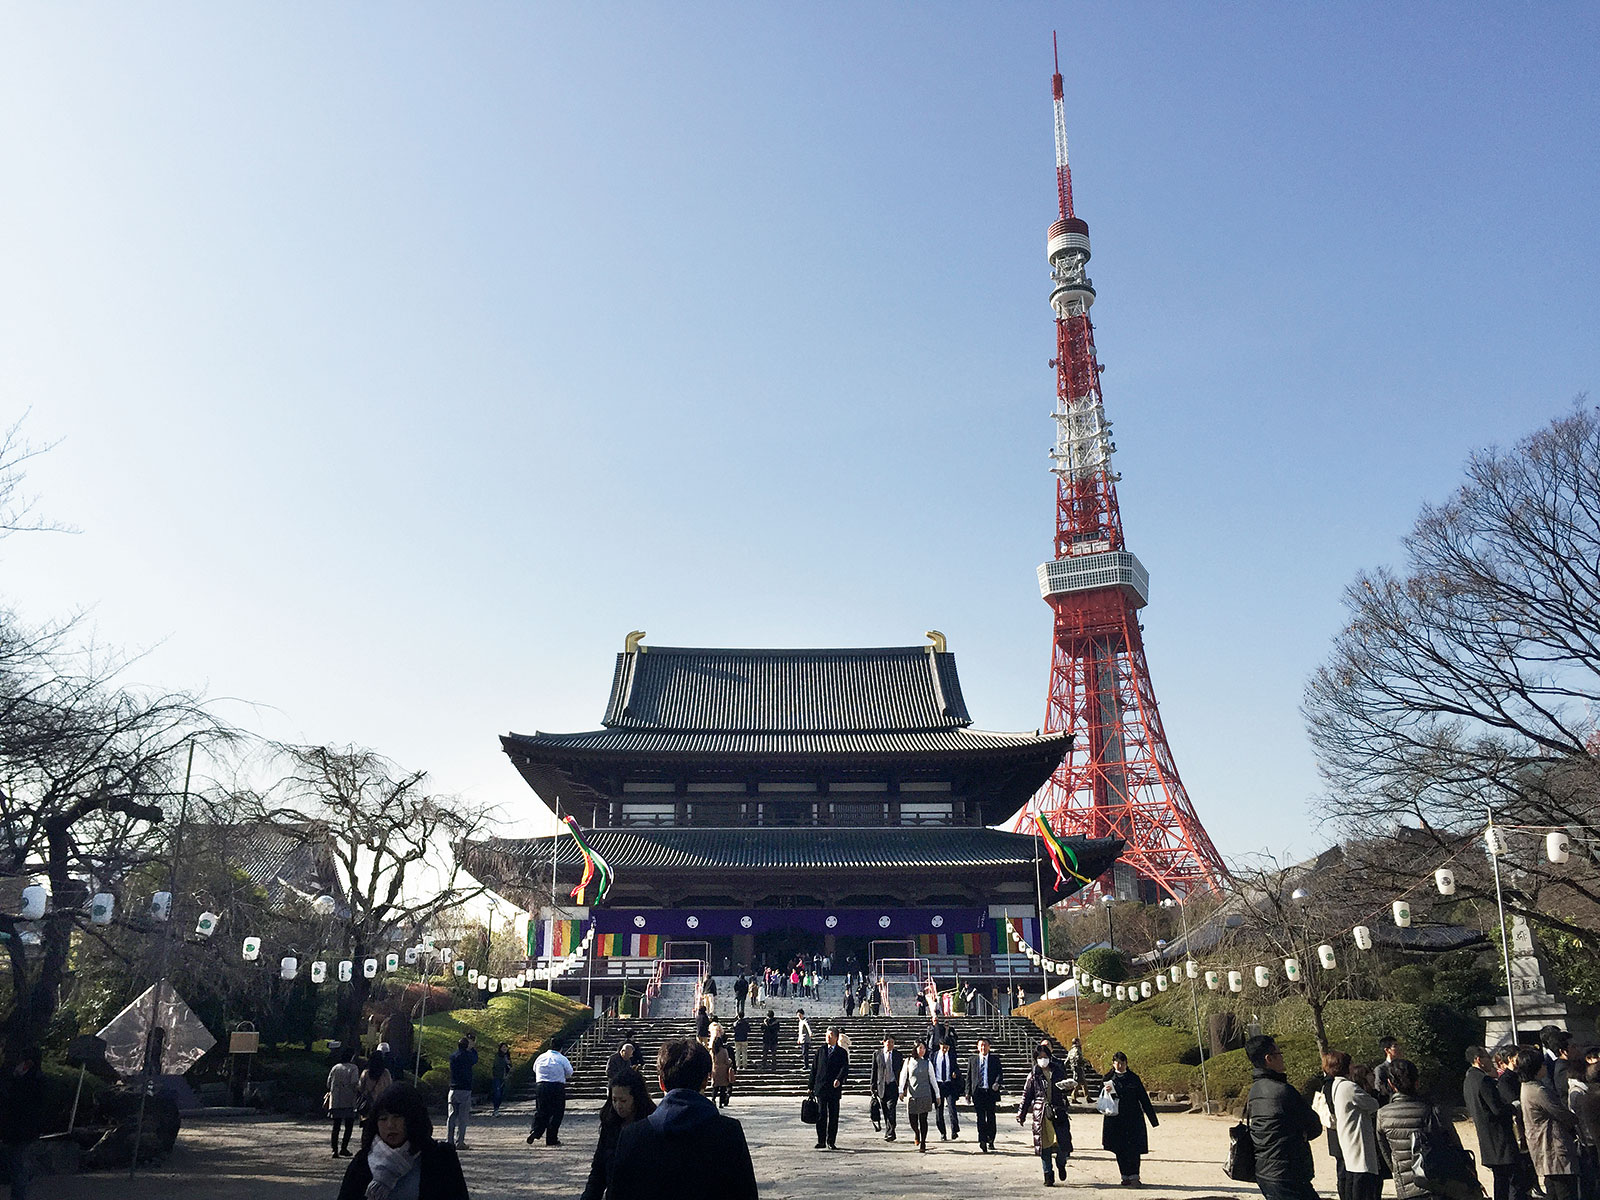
[[1119, 779]]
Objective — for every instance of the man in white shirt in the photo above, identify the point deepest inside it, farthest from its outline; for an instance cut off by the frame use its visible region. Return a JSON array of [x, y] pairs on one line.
[[802, 1038], [551, 1071]]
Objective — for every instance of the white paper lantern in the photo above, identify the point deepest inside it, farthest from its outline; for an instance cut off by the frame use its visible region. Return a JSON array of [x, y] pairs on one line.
[[161, 906], [1236, 981], [428, 942], [347, 970], [319, 972], [34, 898], [1326, 956], [472, 975], [1494, 840], [369, 969], [252, 949], [102, 908], [207, 924], [494, 984], [1557, 847], [1213, 980], [1445, 880], [460, 967], [411, 956], [1161, 983], [1122, 992], [1144, 989], [446, 954], [324, 906], [508, 984], [1363, 937], [1192, 969], [1402, 914], [1291, 970], [391, 961], [1176, 972], [289, 967], [1263, 977]]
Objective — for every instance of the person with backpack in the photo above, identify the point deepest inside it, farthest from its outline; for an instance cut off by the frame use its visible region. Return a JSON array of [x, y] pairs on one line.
[[1282, 1126], [1403, 1125]]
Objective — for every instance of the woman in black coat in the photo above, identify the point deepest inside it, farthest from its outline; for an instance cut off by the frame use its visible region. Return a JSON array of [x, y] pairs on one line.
[[628, 1100], [396, 1144], [1045, 1100], [1124, 1134]]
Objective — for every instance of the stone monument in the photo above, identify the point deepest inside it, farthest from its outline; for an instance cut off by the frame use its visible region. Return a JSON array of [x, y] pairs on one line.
[[1536, 1005]]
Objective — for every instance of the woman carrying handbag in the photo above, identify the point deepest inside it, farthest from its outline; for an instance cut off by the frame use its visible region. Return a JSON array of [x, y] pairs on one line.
[[920, 1091], [1123, 1132], [1045, 1099]]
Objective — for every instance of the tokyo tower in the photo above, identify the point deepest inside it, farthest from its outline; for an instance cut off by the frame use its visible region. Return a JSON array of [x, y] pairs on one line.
[[1119, 779]]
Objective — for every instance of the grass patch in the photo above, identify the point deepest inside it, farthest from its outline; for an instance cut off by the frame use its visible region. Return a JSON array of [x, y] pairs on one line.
[[529, 1019]]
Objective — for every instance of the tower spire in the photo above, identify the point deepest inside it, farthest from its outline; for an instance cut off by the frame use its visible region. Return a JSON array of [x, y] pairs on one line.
[[1119, 779]]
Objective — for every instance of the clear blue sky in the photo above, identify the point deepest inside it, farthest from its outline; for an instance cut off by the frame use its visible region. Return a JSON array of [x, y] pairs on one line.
[[403, 358]]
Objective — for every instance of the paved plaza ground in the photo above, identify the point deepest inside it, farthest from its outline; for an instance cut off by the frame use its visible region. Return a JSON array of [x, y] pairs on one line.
[[274, 1159]]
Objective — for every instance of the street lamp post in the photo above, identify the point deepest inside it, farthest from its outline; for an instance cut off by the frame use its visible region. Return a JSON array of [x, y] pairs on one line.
[[1111, 932]]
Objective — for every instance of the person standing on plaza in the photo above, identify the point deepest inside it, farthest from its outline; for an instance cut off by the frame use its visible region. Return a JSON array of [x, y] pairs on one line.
[[624, 1059], [343, 1081], [802, 1038], [1047, 1109], [1494, 1120], [1352, 1119], [920, 1092], [985, 1081], [459, 1108], [627, 1100], [885, 1083], [551, 1073], [741, 1041], [1282, 1126], [1400, 1121], [769, 1041], [947, 1074], [498, 1074], [1123, 1132], [1380, 1073], [1551, 1128], [22, 1118], [829, 1074], [741, 989], [685, 1149], [848, 999], [399, 1157]]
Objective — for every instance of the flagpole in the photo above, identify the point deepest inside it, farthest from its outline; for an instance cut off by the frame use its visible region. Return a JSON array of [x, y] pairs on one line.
[[550, 968], [1038, 883]]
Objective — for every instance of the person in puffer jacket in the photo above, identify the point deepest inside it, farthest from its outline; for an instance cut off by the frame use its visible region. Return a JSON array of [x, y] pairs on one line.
[[1282, 1126], [1405, 1115]]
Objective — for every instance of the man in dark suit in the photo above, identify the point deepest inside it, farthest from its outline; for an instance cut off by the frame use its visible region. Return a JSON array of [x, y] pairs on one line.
[[939, 1034], [686, 1149], [828, 1075], [985, 1079], [886, 1065], [1493, 1119], [947, 1074]]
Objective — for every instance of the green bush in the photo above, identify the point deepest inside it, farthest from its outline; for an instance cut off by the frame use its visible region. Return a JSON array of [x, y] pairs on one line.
[[1139, 1032], [1104, 963], [529, 1019], [60, 1085]]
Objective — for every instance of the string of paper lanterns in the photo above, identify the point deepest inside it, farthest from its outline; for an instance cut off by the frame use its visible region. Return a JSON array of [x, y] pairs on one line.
[[1557, 847]]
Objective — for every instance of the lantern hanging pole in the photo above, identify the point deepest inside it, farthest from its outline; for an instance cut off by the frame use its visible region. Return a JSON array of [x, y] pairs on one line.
[[1505, 938], [1194, 997]]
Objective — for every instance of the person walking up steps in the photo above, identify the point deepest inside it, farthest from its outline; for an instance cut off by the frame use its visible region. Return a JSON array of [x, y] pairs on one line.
[[802, 1038]]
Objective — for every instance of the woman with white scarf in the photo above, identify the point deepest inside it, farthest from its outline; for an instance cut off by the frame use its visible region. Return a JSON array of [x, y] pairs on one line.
[[399, 1159]]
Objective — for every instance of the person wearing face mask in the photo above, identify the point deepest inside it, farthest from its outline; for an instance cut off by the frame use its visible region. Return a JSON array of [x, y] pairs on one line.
[[1123, 1132], [1045, 1104], [399, 1159], [628, 1100]]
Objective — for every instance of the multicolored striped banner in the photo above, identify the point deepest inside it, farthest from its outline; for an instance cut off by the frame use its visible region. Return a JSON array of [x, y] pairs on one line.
[[557, 939], [623, 945], [953, 943], [1027, 929]]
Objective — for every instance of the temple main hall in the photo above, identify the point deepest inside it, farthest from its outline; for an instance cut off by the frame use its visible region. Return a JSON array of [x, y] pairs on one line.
[[755, 804]]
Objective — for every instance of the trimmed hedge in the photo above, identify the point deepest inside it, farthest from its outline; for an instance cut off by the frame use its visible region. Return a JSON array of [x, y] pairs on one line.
[[1058, 1020], [529, 1019]]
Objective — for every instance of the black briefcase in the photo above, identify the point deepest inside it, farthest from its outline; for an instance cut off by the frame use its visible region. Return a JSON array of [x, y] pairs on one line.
[[809, 1111]]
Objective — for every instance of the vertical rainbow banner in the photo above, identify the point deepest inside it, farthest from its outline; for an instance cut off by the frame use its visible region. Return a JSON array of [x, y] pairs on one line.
[[953, 943], [1027, 929], [559, 938], [630, 945]]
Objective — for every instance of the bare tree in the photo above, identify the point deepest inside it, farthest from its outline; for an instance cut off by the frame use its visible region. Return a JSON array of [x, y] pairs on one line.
[[17, 507], [394, 845], [1470, 682]]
